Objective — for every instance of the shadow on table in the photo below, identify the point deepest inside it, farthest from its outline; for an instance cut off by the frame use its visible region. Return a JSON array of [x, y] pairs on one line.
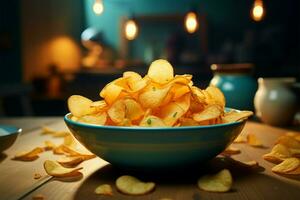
[[248, 184], [2, 157]]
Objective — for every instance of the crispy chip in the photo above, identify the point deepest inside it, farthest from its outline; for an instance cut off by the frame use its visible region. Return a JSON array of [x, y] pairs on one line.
[[234, 116], [117, 111], [133, 186], [231, 151], [289, 142], [240, 139], [111, 92], [288, 165], [60, 133], [134, 110], [278, 154], [53, 168], [46, 130], [152, 121], [188, 122], [70, 161], [161, 71], [153, 96], [58, 150], [99, 106], [216, 95], [104, 189], [253, 140], [210, 112], [79, 105], [220, 182], [99, 118], [49, 145], [29, 155]]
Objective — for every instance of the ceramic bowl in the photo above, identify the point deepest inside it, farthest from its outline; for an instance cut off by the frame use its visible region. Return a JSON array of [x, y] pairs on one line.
[[155, 148], [8, 135]]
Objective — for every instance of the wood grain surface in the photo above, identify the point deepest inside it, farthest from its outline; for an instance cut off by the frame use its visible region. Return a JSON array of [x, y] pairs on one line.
[[260, 183]]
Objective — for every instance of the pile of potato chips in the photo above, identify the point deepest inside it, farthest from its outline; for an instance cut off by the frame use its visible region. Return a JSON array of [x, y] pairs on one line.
[[285, 154], [158, 99]]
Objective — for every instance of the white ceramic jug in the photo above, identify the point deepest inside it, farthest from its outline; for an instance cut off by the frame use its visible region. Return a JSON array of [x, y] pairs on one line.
[[275, 102]]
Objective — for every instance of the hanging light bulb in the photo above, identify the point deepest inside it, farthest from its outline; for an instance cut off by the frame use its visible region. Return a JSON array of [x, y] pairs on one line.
[[191, 22], [98, 7], [258, 11], [131, 29]]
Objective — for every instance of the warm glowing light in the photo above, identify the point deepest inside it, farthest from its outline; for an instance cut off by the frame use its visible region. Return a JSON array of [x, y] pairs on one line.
[[98, 7], [131, 30], [257, 11], [191, 22]]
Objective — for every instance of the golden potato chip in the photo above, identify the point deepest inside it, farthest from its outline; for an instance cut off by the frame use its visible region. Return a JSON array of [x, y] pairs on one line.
[[153, 96], [188, 122], [46, 130], [117, 111], [58, 150], [104, 189], [210, 112], [80, 106], [216, 95], [99, 106], [220, 182], [98, 119], [152, 121], [231, 151], [111, 92], [179, 90], [73, 118], [74, 152], [289, 142], [234, 116], [135, 81], [37, 176], [70, 161], [29, 155], [278, 154], [133, 186], [60, 133], [253, 140], [288, 165], [53, 168], [134, 110], [240, 139], [70, 141], [38, 197], [161, 71], [49, 145]]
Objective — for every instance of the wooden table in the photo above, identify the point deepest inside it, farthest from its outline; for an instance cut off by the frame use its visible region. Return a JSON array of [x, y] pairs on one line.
[[17, 182]]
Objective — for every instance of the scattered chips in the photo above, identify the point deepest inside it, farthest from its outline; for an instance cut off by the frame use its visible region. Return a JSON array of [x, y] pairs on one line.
[[278, 154], [70, 161], [231, 151], [133, 186], [172, 101], [46, 130], [56, 170], [29, 155], [289, 142], [49, 145], [240, 139], [288, 165], [220, 182], [104, 189]]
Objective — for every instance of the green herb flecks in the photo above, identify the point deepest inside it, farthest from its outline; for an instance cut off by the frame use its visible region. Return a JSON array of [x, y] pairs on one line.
[[174, 115], [149, 121]]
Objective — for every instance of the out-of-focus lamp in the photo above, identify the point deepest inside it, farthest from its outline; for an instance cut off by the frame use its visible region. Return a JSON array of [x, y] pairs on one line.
[[98, 7], [191, 22], [258, 11], [131, 29]]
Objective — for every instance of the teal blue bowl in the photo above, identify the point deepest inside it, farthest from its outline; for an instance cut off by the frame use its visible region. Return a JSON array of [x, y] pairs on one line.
[[155, 148]]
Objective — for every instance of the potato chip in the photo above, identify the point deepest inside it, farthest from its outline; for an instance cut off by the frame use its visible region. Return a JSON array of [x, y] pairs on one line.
[[220, 182], [188, 122], [70, 161], [278, 154], [60, 133], [289, 142], [38, 197], [54, 169], [104, 189], [210, 112], [117, 111], [231, 151], [152, 121], [98, 119], [58, 150], [49, 145], [46, 130], [161, 71], [37, 176], [254, 141], [99, 106], [234, 116], [134, 110], [216, 95], [74, 152], [153, 96], [288, 165], [133, 186], [240, 139], [135, 81], [79, 105], [29, 155]]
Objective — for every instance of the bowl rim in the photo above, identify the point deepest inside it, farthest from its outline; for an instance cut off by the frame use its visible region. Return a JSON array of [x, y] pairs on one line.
[[14, 130], [68, 120]]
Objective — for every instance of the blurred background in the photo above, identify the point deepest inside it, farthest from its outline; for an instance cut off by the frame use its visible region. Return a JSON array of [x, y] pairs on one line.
[[52, 49]]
